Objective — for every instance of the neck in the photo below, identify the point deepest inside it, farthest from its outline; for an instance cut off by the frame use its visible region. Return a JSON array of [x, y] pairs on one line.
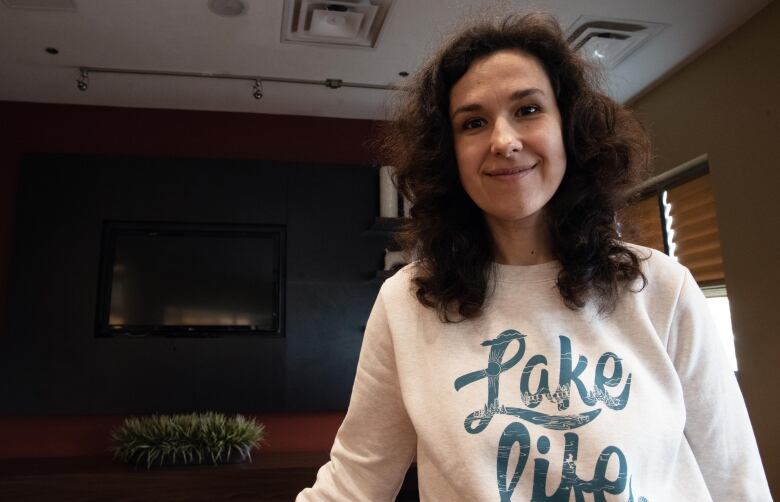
[[525, 242]]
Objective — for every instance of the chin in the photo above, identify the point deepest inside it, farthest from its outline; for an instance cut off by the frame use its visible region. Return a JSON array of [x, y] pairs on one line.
[[515, 216]]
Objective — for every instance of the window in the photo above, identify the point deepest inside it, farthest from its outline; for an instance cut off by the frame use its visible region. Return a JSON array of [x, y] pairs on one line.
[[676, 214], [718, 302]]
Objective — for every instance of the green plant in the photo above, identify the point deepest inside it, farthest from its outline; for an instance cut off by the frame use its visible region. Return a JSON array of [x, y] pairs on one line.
[[192, 438]]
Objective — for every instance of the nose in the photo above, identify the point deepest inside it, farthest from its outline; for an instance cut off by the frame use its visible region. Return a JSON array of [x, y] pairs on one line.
[[505, 140]]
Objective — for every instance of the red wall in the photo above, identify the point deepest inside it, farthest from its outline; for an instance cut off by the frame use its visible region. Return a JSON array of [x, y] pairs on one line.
[[32, 127]]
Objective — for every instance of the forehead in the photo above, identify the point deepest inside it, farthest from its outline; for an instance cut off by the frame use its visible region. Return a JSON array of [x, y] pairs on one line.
[[506, 70]]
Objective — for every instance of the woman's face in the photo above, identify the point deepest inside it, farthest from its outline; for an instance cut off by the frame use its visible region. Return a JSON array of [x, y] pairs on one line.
[[507, 133]]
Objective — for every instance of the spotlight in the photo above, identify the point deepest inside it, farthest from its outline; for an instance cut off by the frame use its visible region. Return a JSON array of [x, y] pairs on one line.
[[83, 81]]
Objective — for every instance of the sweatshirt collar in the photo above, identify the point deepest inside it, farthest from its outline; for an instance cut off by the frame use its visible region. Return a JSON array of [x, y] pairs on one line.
[[527, 273]]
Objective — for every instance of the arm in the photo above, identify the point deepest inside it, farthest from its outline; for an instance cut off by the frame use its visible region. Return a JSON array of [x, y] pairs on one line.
[[717, 426], [376, 442]]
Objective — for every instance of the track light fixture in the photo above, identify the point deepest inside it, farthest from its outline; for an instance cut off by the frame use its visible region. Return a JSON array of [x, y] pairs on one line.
[[83, 81], [257, 88]]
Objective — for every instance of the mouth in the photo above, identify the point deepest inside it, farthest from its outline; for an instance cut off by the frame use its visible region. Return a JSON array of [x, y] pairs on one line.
[[511, 172]]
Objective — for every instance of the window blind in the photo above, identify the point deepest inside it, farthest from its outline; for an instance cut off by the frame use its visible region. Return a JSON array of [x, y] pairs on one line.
[[642, 223], [693, 229]]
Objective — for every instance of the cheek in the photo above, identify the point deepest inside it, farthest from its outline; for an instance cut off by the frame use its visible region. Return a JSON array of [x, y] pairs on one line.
[[463, 163], [464, 178], [467, 156], [560, 148], [458, 146], [557, 144], [468, 178]]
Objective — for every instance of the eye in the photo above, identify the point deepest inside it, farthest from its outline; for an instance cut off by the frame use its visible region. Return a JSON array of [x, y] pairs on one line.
[[528, 109], [473, 123]]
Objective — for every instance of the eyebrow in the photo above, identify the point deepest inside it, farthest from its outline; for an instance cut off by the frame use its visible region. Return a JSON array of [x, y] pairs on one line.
[[515, 96]]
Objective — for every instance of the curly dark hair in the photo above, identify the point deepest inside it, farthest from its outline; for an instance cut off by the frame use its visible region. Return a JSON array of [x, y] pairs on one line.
[[607, 151]]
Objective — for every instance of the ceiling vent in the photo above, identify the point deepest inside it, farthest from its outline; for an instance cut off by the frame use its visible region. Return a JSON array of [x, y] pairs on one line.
[[62, 5], [354, 23], [609, 41]]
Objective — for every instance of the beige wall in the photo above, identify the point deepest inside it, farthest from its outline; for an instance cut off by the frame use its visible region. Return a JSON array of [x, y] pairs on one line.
[[726, 104]]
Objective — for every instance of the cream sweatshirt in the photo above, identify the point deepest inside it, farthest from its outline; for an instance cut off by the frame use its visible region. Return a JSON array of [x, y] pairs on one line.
[[535, 402]]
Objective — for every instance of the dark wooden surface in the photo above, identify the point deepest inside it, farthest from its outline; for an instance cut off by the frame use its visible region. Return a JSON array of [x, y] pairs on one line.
[[270, 477]]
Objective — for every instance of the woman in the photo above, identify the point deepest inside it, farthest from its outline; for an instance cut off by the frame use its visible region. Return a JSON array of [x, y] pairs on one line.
[[529, 353]]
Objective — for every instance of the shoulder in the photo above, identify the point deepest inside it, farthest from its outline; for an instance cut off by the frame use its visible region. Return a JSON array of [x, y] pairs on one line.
[[400, 286], [665, 276], [669, 291], [655, 264]]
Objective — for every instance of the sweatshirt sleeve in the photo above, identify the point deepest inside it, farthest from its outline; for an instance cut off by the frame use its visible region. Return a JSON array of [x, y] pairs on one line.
[[376, 442], [717, 426]]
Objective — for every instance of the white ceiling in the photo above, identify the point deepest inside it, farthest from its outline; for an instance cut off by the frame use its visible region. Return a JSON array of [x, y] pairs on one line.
[[184, 36]]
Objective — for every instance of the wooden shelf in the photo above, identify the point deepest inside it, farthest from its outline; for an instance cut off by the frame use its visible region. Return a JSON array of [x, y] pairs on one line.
[[270, 477]]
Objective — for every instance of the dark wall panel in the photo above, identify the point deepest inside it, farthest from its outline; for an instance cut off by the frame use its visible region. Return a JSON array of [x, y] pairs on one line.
[[57, 365]]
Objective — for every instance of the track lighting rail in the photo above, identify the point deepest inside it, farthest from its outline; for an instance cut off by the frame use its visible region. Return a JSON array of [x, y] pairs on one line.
[[257, 90]]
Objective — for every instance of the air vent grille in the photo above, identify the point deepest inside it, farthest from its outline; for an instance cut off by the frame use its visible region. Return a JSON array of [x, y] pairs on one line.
[[610, 41], [339, 22]]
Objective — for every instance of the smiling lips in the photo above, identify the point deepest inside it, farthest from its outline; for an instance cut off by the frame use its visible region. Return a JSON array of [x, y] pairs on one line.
[[511, 172]]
